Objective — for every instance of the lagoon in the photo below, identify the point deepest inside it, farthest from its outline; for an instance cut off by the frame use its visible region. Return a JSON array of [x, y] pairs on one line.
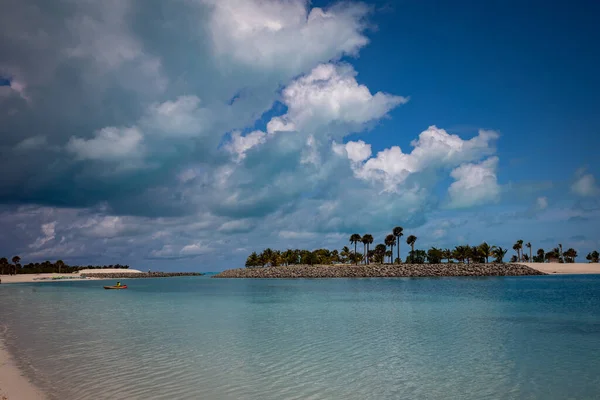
[[532, 337]]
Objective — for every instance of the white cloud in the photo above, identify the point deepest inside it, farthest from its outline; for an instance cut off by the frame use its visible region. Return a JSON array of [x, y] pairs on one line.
[[239, 145], [31, 143], [103, 33], [358, 151], [542, 203], [182, 117], [585, 184], [439, 233], [237, 226], [435, 148], [296, 235], [109, 144], [194, 249], [268, 34], [48, 231], [475, 184], [330, 93]]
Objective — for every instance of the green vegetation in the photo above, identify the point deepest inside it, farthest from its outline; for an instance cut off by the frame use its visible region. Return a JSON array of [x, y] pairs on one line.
[[46, 267], [482, 253]]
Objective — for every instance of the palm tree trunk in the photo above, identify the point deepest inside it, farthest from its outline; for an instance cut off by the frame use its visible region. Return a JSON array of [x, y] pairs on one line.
[[398, 249], [365, 253]]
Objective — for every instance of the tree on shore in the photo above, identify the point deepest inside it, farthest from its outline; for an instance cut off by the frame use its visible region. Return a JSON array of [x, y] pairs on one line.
[[539, 258], [560, 254], [528, 244], [367, 240], [593, 257], [354, 239], [379, 255], [499, 253], [447, 255], [486, 251], [390, 241], [398, 233], [553, 255], [411, 242], [15, 267], [434, 255], [570, 255], [517, 248], [3, 265]]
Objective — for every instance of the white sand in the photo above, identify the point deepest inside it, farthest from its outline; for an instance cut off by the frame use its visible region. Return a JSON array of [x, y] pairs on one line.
[[21, 278], [13, 385], [108, 271], [557, 268]]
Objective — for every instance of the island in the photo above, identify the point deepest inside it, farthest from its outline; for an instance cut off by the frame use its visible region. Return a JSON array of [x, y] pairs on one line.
[[384, 260]]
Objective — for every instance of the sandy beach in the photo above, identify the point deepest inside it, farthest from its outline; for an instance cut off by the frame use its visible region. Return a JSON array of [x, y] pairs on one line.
[[557, 268], [23, 278], [13, 385]]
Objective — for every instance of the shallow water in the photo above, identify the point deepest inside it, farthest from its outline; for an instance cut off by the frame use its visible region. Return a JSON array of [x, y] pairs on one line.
[[201, 338]]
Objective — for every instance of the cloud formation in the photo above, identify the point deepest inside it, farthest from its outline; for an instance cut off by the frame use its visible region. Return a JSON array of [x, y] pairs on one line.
[[132, 137], [585, 184]]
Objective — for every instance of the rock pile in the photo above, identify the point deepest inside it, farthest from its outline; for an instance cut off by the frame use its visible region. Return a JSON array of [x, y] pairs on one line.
[[380, 271], [122, 275]]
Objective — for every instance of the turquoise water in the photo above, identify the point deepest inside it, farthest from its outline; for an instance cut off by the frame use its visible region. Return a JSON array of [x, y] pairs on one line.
[[201, 338]]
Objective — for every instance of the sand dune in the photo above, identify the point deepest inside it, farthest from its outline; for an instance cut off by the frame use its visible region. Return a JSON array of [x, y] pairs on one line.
[[557, 268]]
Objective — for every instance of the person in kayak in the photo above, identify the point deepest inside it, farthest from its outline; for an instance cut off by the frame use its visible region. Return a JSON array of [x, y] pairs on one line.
[[118, 284]]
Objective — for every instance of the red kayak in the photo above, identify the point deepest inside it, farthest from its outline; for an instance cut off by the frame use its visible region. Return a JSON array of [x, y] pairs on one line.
[[116, 287]]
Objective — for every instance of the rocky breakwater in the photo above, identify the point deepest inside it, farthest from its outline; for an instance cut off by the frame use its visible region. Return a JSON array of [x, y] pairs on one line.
[[125, 275], [381, 271]]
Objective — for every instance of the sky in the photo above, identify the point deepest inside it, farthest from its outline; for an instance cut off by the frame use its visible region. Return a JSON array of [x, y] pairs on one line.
[[184, 135]]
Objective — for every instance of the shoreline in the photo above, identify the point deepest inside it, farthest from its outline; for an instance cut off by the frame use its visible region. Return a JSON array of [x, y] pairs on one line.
[[566, 268], [13, 384], [88, 276], [382, 271]]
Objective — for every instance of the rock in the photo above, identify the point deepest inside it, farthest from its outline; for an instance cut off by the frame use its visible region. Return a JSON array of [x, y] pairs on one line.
[[381, 271]]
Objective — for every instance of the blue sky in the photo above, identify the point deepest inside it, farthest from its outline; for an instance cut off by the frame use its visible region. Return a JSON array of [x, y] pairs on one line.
[[185, 136]]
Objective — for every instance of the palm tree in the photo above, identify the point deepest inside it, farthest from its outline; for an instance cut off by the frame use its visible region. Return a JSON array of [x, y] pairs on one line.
[[592, 257], [499, 254], [253, 260], [367, 240], [553, 255], [59, 264], [560, 253], [390, 241], [354, 239], [540, 255], [447, 254], [411, 241], [476, 254], [571, 255], [529, 246], [485, 250], [459, 253], [516, 248], [397, 232], [16, 260], [345, 253], [380, 251], [3, 265]]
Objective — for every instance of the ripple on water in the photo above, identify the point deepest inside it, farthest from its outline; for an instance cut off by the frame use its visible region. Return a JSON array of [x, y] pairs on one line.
[[343, 339]]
